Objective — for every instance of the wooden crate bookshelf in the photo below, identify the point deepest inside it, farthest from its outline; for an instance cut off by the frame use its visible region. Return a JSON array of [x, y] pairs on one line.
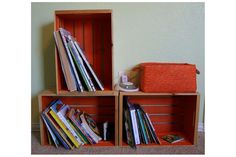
[[170, 113], [93, 30], [102, 105]]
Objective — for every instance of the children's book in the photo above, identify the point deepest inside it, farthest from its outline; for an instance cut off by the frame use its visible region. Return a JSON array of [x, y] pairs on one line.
[[172, 138]]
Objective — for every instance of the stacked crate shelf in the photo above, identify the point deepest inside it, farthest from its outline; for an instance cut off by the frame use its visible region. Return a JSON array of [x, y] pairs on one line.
[[92, 29]]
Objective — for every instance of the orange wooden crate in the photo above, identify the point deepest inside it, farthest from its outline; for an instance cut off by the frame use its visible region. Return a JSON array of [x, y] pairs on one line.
[[168, 77], [170, 113], [93, 30], [101, 105]]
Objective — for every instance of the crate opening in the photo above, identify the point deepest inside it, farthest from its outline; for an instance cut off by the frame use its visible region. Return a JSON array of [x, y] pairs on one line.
[[169, 115], [94, 34], [101, 109]]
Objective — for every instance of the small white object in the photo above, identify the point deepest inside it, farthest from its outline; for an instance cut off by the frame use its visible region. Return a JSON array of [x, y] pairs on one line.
[[105, 131]]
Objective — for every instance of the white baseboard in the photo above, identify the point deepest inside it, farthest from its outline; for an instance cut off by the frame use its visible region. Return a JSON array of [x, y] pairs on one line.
[[201, 127], [35, 127]]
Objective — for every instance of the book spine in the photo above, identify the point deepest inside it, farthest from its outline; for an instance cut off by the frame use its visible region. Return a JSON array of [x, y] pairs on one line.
[[133, 144], [59, 136], [60, 131], [135, 127], [77, 133], [88, 65], [82, 129], [51, 132], [152, 130], [63, 119], [80, 62], [71, 137], [66, 67], [71, 61], [84, 137], [142, 126]]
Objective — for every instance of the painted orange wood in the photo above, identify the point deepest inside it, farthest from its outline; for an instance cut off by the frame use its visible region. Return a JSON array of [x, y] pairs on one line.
[[92, 29], [169, 113]]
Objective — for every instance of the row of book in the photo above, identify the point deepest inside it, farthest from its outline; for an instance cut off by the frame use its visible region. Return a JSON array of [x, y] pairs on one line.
[[138, 126], [78, 73], [69, 127]]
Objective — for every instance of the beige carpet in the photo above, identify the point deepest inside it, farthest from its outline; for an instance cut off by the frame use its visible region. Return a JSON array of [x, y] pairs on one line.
[[36, 148]]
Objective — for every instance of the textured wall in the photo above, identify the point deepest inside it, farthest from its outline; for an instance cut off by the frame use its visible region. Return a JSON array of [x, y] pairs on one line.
[[167, 32]]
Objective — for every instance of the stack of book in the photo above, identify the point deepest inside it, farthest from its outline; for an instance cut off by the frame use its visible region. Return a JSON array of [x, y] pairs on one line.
[[68, 126], [138, 126], [78, 73]]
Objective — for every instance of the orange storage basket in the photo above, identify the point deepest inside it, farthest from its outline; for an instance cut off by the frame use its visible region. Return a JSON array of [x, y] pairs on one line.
[[168, 77]]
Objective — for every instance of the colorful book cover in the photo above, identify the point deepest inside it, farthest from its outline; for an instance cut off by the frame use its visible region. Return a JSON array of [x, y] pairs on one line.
[[61, 110], [172, 138], [76, 122], [62, 125], [58, 129], [90, 126], [54, 128]]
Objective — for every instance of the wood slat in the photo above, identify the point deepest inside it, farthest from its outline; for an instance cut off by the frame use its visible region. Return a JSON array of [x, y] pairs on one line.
[[162, 109], [169, 127], [149, 100], [88, 40], [79, 32]]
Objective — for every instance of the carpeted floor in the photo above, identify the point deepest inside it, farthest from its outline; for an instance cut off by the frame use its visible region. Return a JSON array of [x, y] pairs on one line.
[[36, 148]]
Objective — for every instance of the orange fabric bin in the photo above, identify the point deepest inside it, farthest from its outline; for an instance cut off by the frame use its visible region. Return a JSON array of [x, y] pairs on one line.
[[168, 77]]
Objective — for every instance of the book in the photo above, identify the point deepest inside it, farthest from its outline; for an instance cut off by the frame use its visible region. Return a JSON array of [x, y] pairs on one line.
[[90, 126], [62, 137], [64, 35], [172, 138], [53, 112], [54, 139], [99, 83], [77, 123], [78, 62], [61, 112], [134, 123], [150, 128], [144, 133], [128, 125], [66, 67]]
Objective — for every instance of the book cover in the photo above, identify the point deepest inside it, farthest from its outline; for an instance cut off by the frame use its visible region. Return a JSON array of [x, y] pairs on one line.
[[91, 127], [65, 64], [172, 138], [64, 34], [61, 110], [61, 133], [46, 117], [99, 83], [77, 123], [62, 125]]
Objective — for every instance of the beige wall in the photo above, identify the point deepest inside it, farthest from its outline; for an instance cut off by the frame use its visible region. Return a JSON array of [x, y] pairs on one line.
[[168, 32]]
